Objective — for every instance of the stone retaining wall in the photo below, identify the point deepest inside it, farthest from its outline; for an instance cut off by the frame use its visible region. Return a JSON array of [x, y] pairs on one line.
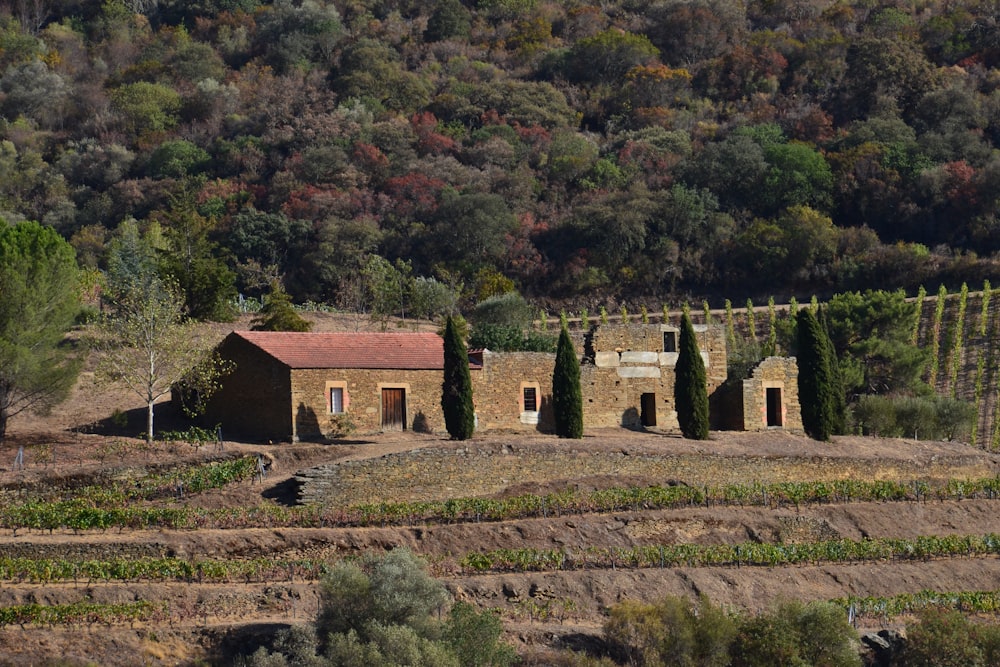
[[473, 470]]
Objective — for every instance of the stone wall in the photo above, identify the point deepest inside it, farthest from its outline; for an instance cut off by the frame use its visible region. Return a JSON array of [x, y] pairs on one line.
[[498, 391], [310, 396], [253, 399], [776, 373], [483, 469], [628, 373]]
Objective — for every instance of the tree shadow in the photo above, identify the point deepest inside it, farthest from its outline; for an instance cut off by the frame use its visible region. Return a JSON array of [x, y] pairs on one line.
[[632, 421], [132, 423], [307, 424]]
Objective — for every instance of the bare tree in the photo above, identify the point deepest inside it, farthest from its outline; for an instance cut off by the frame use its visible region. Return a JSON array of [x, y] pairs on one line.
[[145, 342], [146, 345]]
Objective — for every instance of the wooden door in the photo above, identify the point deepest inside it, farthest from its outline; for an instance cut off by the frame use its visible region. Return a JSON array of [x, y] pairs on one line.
[[394, 409]]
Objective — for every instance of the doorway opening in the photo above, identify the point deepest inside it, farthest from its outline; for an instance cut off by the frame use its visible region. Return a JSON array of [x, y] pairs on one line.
[[648, 415], [774, 407]]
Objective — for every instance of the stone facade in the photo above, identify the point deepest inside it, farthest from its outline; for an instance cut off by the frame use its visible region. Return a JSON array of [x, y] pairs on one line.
[[503, 387], [362, 399], [771, 396], [253, 399], [627, 374], [768, 399]]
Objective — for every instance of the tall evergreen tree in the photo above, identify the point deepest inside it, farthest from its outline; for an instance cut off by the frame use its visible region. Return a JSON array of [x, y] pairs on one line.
[[816, 378], [839, 395], [456, 391], [690, 385], [567, 398]]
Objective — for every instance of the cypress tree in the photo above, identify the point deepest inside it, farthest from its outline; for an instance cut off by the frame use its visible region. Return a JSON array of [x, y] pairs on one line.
[[816, 382], [839, 396], [456, 391], [690, 385], [567, 398]]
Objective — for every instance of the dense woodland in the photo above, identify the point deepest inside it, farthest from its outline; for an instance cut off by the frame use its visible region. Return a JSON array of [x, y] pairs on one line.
[[577, 153]]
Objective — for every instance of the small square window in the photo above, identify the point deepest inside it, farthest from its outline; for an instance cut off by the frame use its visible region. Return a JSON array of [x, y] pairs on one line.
[[669, 341], [530, 399], [336, 400]]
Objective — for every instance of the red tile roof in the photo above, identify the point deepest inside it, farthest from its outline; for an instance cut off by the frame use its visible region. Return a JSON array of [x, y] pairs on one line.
[[402, 351]]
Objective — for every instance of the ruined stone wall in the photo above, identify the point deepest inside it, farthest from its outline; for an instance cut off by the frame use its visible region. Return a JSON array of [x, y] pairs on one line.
[[772, 373], [498, 391], [626, 361], [310, 398]]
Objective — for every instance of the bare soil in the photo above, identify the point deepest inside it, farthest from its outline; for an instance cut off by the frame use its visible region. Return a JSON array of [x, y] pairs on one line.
[[78, 444]]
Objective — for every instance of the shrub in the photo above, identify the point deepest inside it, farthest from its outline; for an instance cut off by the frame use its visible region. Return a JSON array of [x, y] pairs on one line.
[[931, 418], [942, 638], [797, 634], [508, 309], [672, 631]]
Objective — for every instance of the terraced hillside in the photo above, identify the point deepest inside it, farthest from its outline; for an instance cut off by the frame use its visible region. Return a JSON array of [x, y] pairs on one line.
[[171, 556]]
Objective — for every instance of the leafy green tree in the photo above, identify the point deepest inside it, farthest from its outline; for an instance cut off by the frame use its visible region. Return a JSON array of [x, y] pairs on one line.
[[797, 634], [690, 384], [509, 309], [872, 334], [798, 176], [450, 19], [942, 638], [146, 107], [816, 378], [456, 391], [39, 298], [567, 397], [469, 230], [144, 341], [176, 159], [608, 56], [299, 35], [277, 313], [189, 260]]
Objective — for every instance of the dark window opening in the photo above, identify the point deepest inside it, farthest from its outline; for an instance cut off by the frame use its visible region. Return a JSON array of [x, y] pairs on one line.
[[530, 399], [669, 341]]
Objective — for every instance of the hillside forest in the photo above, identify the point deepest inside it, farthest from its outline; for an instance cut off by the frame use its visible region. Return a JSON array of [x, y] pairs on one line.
[[577, 153]]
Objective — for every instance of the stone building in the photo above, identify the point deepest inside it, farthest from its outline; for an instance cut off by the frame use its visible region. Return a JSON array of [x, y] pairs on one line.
[[292, 386], [768, 399], [308, 385], [627, 373]]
